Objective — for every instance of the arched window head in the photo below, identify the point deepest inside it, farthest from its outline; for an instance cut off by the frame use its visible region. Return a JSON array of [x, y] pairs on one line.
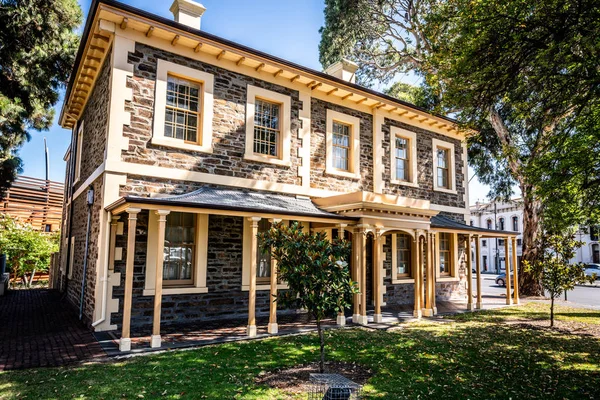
[[501, 224], [489, 224], [515, 223]]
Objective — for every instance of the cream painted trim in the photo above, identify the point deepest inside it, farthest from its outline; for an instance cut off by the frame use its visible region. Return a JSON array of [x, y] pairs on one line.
[[84, 186], [436, 143], [304, 135], [78, 153], [456, 210], [378, 168], [412, 154], [447, 279], [354, 161], [71, 257], [285, 138], [402, 281], [281, 286], [201, 257], [164, 68]]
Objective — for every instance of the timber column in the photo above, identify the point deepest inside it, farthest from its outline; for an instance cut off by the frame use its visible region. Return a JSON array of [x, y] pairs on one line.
[[479, 303], [356, 273], [377, 316], [507, 269], [417, 313], [516, 299], [428, 311], [341, 317], [125, 342], [363, 320], [251, 329], [469, 274], [158, 283], [273, 328]]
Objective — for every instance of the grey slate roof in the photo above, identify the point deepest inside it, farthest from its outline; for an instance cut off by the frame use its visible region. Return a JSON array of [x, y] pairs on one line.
[[441, 221], [239, 200]]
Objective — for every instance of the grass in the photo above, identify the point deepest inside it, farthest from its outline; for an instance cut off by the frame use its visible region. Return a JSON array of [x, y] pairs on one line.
[[474, 356]]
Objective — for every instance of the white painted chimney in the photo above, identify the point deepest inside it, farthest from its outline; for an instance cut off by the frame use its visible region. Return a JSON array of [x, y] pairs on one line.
[[343, 69], [187, 12]]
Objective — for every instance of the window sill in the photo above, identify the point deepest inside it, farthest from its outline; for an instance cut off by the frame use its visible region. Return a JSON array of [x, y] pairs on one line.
[[403, 280], [268, 160], [450, 191], [177, 290], [404, 183], [179, 144], [281, 286], [343, 174], [447, 279]]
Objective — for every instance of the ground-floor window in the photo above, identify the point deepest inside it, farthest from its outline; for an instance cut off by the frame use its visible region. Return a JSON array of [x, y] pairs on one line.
[[445, 249], [180, 234], [403, 256], [596, 253], [263, 267], [485, 263]]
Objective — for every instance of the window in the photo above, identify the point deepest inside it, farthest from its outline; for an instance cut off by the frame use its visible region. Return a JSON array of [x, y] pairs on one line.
[[403, 255], [596, 253], [594, 233], [485, 263], [71, 258], [501, 224], [268, 134], [445, 243], [179, 248], [48, 228], [489, 224], [484, 243], [403, 157], [263, 259], [519, 242], [183, 107], [443, 166], [78, 153], [472, 223], [515, 223], [184, 255], [500, 242], [342, 145]]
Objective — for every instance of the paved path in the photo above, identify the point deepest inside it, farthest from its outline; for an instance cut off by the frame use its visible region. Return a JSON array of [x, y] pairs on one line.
[[37, 329]]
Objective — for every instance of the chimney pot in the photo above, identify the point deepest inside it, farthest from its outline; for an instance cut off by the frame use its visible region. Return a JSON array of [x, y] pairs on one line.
[[343, 69], [187, 12]]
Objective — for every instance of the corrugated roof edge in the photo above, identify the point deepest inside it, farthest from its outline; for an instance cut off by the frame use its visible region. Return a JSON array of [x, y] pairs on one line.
[[172, 23], [441, 221]]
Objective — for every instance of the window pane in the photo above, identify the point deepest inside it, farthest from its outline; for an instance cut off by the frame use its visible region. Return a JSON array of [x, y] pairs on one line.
[[403, 255], [183, 108], [266, 128], [179, 249], [341, 146], [263, 267], [445, 253], [402, 159]]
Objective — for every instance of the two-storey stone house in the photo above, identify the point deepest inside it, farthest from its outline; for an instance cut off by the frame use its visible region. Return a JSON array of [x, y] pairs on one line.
[[186, 145]]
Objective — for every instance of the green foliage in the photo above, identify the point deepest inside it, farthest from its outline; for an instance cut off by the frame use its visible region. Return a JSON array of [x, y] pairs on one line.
[[554, 268], [38, 45], [315, 269], [421, 96], [27, 250]]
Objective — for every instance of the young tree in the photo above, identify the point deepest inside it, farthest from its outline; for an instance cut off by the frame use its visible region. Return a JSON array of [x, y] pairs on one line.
[[27, 250], [315, 269], [556, 273], [517, 71], [37, 51]]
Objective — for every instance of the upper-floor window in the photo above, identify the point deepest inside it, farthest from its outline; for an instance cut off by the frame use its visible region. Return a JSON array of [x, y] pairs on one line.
[[519, 242], [472, 223], [267, 129], [443, 166], [484, 243], [515, 223], [182, 112], [500, 242], [268, 126], [78, 153], [489, 224], [501, 224], [594, 232], [403, 157], [179, 251], [183, 107], [342, 145]]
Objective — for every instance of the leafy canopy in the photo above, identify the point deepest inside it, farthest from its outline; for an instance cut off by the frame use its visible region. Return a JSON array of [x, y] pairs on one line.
[[37, 51]]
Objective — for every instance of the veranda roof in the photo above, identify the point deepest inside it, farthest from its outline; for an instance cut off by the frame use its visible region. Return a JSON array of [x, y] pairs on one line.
[[443, 222]]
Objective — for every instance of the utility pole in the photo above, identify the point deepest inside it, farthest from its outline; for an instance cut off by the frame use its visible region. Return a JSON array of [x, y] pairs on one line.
[[497, 258]]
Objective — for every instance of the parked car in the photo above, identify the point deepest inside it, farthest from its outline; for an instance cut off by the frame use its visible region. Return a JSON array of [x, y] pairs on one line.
[[591, 269], [501, 279]]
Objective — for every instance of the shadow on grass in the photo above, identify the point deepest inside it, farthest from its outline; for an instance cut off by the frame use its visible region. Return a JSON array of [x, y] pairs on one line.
[[451, 361]]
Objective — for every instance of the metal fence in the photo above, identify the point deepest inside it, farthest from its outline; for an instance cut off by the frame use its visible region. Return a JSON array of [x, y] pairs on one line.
[[332, 387]]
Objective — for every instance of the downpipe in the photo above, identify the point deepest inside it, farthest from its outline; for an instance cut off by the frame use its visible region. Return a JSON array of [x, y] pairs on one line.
[[104, 286], [90, 203]]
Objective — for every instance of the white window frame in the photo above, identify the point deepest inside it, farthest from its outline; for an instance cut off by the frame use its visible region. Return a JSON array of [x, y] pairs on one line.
[[454, 258], [354, 162], [247, 253], [200, 259], [411, 137], [78, 153], [164, 68], [285, 136], [440, 144]]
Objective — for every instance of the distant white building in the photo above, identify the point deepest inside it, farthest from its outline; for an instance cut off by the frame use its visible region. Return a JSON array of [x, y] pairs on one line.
[[508, 216]]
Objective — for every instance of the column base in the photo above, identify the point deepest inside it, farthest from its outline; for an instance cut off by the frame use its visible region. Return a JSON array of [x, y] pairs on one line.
[[341, 320], [363, 320], [517, 301], [155, 341], [124, 344], [417, 313], [434, 310], [509, 302], [355, 318], [428, 312], [470, 306], [273, 328], [479, 305], [251, 331], [377, 318]]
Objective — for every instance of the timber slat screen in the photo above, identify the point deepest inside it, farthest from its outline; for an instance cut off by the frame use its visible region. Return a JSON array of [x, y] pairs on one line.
[[35, 201]]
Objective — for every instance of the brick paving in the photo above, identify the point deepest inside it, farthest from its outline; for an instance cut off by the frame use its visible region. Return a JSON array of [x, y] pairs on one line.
[[38, 329]]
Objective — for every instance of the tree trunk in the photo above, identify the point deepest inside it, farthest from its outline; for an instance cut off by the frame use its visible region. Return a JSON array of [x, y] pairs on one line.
[[529, 283], [552, 312], [322, 343], [31, 278]]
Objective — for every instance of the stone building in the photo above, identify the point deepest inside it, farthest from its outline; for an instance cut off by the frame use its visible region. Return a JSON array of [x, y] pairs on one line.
[[186, 145]]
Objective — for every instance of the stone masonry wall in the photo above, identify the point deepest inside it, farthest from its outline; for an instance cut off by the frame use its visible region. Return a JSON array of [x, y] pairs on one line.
[[80, 213], [224, 299], [229, 130], [424, 167]]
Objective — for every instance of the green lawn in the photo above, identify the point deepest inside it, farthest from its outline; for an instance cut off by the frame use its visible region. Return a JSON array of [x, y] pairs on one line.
[[474, 356]]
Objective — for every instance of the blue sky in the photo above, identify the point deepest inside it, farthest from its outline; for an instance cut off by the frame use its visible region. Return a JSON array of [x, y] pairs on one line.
[[287, 29]]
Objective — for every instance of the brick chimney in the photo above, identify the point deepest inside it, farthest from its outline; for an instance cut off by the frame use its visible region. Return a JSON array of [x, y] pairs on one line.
[[187, 12], [343, 69]]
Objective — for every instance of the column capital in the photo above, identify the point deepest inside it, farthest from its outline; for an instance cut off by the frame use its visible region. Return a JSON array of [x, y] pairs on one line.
[[114, 219], [254, 221], [162, 215], [342, 225], [133, 212], [275, 220]]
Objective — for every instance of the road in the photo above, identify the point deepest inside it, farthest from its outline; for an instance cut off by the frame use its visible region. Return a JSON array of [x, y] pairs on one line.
[[582, 295]]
